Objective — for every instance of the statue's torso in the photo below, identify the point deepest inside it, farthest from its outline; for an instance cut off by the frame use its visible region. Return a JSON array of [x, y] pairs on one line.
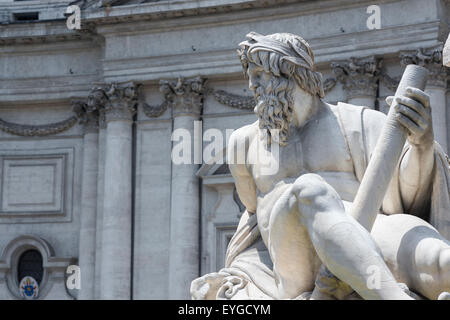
[[319, 147]]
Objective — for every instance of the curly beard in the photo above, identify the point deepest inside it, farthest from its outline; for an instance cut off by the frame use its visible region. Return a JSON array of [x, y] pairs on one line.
[[274, 108]]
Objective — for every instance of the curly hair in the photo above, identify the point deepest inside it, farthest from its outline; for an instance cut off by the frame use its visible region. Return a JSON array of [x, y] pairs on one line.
[[299, 67], [290, 59]]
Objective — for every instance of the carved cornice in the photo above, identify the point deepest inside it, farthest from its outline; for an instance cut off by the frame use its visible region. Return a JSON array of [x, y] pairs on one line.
[[358, 76], [113, 102], [430, 58], [149, 10], [47, 38], [184, 96]]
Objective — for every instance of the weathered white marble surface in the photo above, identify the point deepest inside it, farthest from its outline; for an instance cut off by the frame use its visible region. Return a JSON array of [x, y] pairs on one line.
[[447, 53], [43, 65], [300, 216]]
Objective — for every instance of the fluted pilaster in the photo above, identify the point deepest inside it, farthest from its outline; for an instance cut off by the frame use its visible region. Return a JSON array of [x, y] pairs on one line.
[[89, 119], [117, 105], [186, 99]]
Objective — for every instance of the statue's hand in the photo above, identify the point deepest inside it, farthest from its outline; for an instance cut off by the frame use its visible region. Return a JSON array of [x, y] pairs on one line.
[[414, 113]]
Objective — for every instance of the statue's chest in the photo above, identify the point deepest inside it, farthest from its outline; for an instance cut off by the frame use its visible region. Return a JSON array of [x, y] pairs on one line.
[[314, 150]]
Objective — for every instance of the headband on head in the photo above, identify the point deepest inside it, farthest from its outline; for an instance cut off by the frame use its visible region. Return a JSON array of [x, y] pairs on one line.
[[289, 51]]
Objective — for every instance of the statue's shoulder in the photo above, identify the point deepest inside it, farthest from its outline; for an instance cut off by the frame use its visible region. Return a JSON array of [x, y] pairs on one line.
[[243, 133], [238, 146], [352, 114]]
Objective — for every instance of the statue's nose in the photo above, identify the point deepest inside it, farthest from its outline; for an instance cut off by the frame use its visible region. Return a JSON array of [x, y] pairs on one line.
[[252, 85]]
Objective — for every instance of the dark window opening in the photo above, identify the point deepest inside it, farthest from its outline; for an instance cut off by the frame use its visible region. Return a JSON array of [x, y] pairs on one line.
[[26, 16], [30, 264]]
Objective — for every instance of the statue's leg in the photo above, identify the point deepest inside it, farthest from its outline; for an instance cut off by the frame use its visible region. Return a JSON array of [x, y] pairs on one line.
[[295, 262], [415, 252], [341, 243]]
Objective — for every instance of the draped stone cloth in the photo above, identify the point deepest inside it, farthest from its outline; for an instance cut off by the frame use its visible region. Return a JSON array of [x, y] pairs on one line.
[[248, 268]]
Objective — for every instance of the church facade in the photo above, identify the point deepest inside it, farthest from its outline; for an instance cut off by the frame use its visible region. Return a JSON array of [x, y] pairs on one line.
[[92, 203]]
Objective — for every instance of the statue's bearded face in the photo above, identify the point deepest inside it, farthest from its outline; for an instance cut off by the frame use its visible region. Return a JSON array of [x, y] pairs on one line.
[[274, 102]]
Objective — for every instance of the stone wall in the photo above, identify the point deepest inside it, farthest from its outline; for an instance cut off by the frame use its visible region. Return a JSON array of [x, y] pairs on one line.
[[84, 118]]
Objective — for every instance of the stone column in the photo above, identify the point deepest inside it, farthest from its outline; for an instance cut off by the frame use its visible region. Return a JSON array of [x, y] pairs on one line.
[[186, 100], [359, 78], [87, 243], [119, 107], [100, 193], [431, 58]]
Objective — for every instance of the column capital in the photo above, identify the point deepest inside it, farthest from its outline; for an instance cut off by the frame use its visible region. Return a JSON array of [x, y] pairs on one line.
[[185, 96], [358, 76], [430, 58], [88, 117], [114, 101]]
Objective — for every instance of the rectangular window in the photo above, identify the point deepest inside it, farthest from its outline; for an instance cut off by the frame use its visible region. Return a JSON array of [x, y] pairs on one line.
[[26, 16]]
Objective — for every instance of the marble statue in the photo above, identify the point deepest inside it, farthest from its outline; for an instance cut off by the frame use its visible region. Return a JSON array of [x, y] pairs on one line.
[[297, 238], [446, 53]]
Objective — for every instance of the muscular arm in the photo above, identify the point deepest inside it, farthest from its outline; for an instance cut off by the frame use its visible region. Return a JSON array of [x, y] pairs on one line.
[[237, 155], [416, 166]]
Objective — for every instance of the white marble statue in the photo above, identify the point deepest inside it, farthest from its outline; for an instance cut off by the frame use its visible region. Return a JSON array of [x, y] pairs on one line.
[[297, 238], [446, 53]]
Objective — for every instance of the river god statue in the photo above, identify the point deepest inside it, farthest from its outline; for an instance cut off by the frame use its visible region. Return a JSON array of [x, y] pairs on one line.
[[297, 238]]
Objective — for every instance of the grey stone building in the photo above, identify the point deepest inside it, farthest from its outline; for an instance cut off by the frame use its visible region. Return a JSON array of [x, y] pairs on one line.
[[87, 115]]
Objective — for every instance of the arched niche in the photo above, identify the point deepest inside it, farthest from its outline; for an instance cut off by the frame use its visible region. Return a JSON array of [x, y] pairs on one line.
[[54, 268]]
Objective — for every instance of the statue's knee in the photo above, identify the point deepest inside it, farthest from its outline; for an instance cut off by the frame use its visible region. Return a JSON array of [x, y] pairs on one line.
[[310, 185], [312, 190]]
